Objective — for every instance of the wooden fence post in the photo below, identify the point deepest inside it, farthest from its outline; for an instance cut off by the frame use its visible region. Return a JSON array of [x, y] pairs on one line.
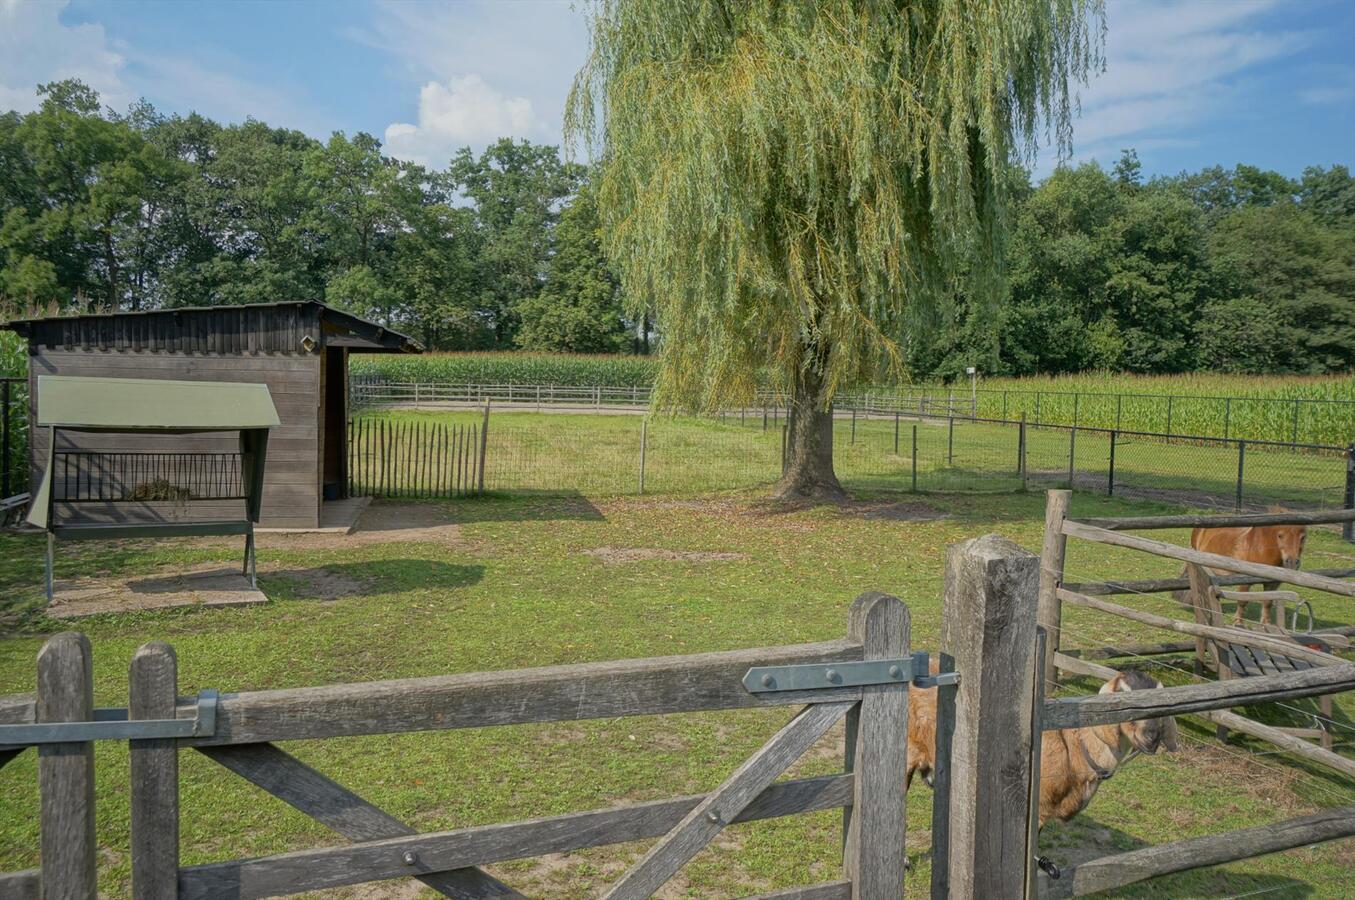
[[877, 741], [484, 445], [66, 771], [1050, 614], [155, 776], [984, 730]]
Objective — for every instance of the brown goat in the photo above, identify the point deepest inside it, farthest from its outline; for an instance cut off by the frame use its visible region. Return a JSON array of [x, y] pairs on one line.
[[1073, 761]]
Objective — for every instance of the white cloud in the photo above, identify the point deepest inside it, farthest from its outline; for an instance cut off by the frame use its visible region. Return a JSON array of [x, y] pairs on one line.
[[1171, 68], [35, 47], [463, 111], [484, 70], [1336, 87]]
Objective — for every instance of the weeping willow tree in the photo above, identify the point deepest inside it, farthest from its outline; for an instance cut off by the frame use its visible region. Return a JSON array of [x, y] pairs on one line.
[[795, 186]]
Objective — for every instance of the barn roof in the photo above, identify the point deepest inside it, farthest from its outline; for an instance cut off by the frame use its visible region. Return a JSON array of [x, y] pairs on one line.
[[246, 328], [139, 404]]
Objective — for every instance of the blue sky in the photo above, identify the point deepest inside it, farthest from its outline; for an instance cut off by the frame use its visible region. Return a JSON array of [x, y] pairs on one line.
[[1188, 83]]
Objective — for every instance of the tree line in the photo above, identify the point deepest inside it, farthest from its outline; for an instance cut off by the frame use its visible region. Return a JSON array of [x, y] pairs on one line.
[[1239, 270]]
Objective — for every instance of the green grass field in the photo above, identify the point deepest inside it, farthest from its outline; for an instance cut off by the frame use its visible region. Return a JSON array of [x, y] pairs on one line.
[[529, 579], [600, 454]]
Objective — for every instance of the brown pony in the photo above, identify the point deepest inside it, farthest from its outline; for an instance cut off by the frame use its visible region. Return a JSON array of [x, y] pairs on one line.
[[1273, 545]]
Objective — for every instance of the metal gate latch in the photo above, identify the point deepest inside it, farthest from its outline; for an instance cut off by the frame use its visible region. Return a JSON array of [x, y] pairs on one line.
[[112, 724], [822, 676]]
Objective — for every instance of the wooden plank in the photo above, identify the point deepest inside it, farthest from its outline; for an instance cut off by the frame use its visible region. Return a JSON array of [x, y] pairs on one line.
[[700, 826], [331, 804], [1116, 871], [1049, 616], [1118, 651], [1127, 706], [25, 885], [1280, 738], [1212, 560], [1144, 523], [981, 799], [1227, 634], [17, 709], [66, 771], [829, 890], [1082, 667], [873, 856], [706, 681], [154, 776], [486, 844]]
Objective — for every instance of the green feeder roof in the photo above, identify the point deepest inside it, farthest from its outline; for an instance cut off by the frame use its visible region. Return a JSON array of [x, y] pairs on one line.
[[138, 404]]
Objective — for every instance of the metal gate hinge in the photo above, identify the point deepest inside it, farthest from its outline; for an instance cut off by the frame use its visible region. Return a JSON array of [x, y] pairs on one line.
[[112, 724], [907, 670]]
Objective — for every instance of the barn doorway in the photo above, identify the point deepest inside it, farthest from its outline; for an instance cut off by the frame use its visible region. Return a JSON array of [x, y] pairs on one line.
[[334, 442]]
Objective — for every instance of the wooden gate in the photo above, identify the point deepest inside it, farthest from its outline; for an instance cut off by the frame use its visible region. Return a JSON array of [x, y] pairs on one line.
[[985, 725]]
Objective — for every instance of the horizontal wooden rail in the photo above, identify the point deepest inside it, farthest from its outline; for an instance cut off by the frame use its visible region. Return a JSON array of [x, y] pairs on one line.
[[1163, 585], [1243, 636], [1127, 706], [1204, 520], [25, 885], [1212, 560], [637, 687], [1294, 745], [17, 709], [1118, 651], [1111, 872], [327, 867]]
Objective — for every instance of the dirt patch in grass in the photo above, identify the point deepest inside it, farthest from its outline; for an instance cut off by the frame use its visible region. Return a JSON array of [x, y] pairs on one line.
[[209, 584], [614, 556], [322, 584], [381, 523]]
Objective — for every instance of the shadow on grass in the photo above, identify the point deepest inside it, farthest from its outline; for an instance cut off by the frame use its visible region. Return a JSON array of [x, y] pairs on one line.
[[338, 580], [524, 506], [1084, 840]]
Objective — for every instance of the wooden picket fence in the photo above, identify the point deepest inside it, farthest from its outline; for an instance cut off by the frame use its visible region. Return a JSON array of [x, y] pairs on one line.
[[393, 458]]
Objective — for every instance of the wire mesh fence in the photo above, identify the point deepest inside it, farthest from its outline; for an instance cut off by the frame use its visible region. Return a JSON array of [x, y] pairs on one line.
[[1292, 420], [873, 449]]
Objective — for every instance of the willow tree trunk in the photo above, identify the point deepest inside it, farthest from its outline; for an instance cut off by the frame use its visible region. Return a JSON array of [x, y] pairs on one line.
[[808, 472]]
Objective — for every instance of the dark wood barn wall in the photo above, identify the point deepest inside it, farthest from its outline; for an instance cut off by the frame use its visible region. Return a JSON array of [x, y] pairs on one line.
[[291, 485]]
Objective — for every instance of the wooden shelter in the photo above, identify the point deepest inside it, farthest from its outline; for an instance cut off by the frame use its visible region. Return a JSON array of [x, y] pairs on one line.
[[299, 350], [150, 493]]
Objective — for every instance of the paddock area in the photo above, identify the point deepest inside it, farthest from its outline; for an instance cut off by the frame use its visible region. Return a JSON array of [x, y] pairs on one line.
[[505, 582]]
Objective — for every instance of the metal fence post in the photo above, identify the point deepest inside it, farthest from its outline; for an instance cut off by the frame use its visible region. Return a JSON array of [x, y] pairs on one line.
[[1072, 455], [914, 458], [950, 442], [1294, 435], [1021, 451], [1037, 409], [784, 445], [644, 444], [896, 434], [1110, 481], [1169, 415], [853, 424], [1348, 530], [1076, 398], [1241, 459], [1119, 408], [1227, 415]]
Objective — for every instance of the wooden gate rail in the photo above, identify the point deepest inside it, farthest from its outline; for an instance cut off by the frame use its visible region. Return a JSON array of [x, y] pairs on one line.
[[871, 787]]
